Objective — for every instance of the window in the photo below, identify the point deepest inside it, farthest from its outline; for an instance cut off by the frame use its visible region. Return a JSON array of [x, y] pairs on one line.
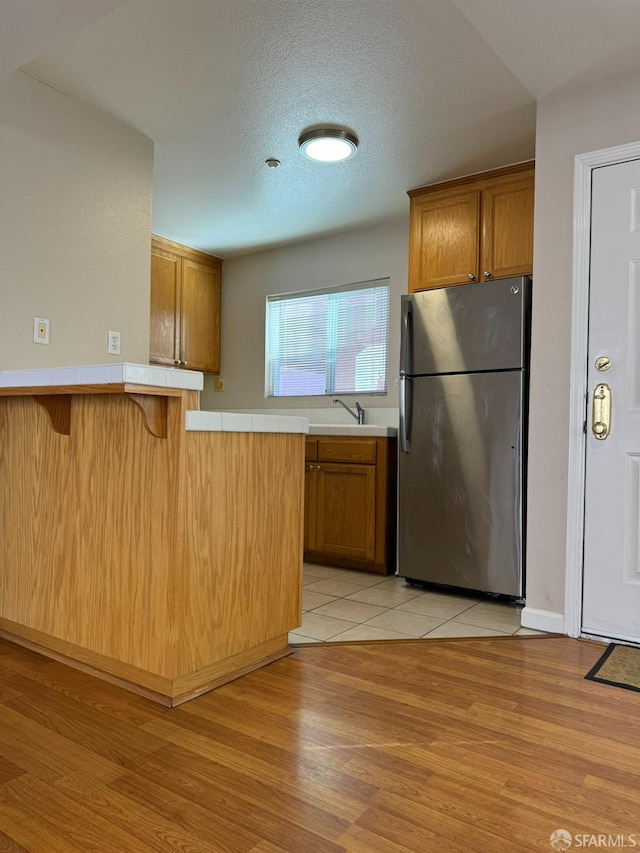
[[331, 341]]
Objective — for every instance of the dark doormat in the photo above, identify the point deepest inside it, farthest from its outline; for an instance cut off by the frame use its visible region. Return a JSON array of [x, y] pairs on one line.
[[620, 666]]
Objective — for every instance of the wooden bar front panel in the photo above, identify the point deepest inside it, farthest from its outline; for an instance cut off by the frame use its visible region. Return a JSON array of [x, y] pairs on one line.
[[243, 547], [87, 527], [154, 559]]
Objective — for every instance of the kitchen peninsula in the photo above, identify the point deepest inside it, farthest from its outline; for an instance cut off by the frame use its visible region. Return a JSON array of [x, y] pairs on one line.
[[142, 540]]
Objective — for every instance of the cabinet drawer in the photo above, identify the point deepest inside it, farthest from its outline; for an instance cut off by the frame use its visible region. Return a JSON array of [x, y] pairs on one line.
[[347, 450], [310, 449]]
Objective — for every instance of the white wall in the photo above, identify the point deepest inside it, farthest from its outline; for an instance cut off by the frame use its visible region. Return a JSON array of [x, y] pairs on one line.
[[362, 255], [569, 123], [75, 226]]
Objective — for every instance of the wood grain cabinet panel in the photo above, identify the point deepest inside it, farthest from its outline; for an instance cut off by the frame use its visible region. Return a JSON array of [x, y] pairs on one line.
[[347, 450], [345, 513], [200, 316], [445, 232], [507, 222], [310, 507], [186, 295], [350, 495], [470, 229], [166, 283]]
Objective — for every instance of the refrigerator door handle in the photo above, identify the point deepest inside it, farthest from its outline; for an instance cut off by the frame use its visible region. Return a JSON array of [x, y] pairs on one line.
[[406, 401], [406, 337], [405, 391]]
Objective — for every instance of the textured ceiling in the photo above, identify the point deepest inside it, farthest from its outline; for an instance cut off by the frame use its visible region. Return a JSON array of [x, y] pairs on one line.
[[29, 27], [433, 89]]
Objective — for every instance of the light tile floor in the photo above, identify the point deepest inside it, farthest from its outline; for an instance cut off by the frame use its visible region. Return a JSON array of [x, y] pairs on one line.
[[341, 605]]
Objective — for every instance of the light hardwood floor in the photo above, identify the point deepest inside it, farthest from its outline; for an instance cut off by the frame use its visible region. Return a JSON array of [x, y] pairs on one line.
[[403, 747]]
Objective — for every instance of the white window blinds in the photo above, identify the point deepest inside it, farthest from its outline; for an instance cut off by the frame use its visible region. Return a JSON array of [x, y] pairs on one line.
[[332, 341]]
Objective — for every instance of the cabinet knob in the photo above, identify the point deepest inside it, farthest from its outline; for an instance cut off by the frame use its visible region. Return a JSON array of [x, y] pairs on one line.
[[177, 361], [471, 276], [318, 468], [311, 467], [487, 274]]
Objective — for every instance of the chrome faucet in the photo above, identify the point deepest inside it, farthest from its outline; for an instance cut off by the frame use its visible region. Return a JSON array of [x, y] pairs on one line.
[[358, 414]]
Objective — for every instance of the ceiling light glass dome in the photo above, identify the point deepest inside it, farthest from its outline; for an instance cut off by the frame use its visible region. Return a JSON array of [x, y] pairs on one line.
[[328, 145]]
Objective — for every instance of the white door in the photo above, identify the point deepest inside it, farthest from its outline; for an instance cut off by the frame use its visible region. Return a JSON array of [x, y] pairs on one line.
[[611, 581]]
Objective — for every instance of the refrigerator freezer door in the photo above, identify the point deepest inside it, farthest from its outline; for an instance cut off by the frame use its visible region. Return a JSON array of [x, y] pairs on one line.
[[459, 508], [472, 327]]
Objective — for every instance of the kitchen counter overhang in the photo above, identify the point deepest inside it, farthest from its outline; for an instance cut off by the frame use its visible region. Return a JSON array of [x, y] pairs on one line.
[[134, 544]]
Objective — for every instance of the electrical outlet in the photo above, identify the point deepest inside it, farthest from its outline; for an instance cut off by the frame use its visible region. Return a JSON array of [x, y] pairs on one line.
[[40, 330], [113, 343], [218, 384]]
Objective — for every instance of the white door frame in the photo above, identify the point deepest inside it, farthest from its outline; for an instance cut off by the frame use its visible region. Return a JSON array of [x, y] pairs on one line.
[[584, 165]]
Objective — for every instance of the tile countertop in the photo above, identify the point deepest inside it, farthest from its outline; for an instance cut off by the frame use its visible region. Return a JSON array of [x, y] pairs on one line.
[[103, 374], [345, 429], [200, 421], [380, 422], [169, 377]]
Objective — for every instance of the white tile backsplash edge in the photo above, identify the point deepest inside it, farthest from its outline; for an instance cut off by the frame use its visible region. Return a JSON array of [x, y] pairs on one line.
[[197, 421], [104, 374], [373, 430]]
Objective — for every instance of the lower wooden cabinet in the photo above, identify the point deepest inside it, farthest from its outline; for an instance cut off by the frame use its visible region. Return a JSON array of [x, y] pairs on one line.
[[349, 516]]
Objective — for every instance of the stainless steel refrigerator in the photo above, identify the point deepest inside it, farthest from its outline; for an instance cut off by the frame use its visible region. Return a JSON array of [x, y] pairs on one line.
[[462, 442]]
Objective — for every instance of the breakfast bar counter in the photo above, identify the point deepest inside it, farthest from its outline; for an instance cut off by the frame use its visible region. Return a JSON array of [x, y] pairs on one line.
[[141, 540]]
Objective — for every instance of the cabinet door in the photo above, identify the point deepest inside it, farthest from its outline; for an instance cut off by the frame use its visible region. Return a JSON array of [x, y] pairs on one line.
[[166, 275], [345, 510], [507, 229], [200, 316], [444, 241], [309, 507]]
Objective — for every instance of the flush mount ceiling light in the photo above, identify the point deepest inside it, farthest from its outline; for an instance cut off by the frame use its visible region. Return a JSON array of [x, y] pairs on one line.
[[328, 145]]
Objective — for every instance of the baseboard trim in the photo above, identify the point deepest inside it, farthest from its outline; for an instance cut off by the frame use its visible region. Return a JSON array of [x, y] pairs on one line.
[[194, 684], [542, 620], [169, 692]]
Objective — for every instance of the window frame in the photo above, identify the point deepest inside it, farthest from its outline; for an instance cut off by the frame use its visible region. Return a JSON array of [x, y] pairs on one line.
[[332, 332]]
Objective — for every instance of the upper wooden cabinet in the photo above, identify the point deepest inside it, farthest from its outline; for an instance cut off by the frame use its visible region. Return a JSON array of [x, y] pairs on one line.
[[476, 228], [185, 307]]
